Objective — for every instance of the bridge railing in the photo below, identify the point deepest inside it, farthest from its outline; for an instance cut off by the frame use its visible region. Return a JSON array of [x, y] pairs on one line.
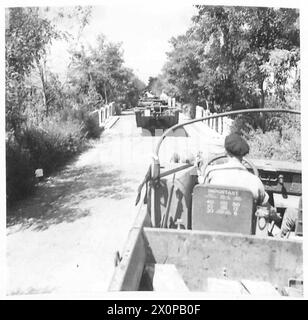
[[221, 125], [104, 113]]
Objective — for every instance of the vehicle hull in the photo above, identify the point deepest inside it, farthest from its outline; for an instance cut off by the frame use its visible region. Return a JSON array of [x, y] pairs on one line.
[[157, 121], [201, 256], [162, 248]]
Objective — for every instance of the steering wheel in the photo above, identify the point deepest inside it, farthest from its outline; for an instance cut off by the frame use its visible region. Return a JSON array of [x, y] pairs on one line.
[[244, 161]]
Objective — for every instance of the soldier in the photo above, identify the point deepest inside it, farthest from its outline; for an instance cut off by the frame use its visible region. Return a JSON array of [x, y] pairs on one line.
[[233, 173]]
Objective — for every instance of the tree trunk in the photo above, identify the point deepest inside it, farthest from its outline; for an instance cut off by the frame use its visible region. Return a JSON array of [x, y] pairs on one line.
[[262, 94], [105, 93], [42, 73], [262, 104]]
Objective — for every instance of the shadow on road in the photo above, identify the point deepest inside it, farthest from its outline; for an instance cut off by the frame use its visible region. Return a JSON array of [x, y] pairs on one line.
[[60, 198], [180, 133]]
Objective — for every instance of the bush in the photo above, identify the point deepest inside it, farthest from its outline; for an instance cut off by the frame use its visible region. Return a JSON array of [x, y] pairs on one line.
[[243, 124], [273, 136], [276, 145], [19, 172], [89, 122], [48, 147], [91, 128], [117, 109], [52, 144], [189, 110]]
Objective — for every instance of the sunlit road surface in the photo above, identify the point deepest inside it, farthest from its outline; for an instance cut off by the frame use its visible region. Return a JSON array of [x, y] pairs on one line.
[[64, 238]]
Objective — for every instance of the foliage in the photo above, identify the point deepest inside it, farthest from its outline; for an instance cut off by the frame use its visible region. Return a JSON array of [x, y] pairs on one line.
[[234, 57], [32, 91], [26, 35], [19, 171], [48, 146], [155, 85], [281, 137], [47, 121], [277, 145], [91, 127], [26, 38], [242, 57], [117, 109], [101, 69], [182, 69]]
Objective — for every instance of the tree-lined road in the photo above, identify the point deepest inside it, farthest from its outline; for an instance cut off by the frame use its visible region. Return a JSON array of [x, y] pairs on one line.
[[63, 238]]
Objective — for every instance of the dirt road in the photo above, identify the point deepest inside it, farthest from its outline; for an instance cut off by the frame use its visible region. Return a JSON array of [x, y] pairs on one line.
[[64, 238]]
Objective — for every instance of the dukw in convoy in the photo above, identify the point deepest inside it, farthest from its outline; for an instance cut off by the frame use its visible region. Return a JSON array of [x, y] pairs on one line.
[[180, 243], [155, 113]]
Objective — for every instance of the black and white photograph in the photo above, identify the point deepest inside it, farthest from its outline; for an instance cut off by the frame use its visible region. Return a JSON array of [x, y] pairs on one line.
[[152, 148]]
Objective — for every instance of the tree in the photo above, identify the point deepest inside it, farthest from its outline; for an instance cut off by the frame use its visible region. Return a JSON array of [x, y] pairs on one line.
[[27, 35], [230, 54], [73, 18], [182, 69], [109, 61], [155, 85], [131, 90], [102, 69]]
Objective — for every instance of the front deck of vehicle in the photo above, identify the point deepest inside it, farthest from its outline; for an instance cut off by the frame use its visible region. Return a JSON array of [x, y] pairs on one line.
[[199, 260]]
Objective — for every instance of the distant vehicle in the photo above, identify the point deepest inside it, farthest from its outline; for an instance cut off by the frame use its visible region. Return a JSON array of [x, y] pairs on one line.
[[202, 237], [153, 113]]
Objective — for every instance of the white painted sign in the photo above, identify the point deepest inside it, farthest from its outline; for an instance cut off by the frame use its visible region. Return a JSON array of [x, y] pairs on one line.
[[39, 173]]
